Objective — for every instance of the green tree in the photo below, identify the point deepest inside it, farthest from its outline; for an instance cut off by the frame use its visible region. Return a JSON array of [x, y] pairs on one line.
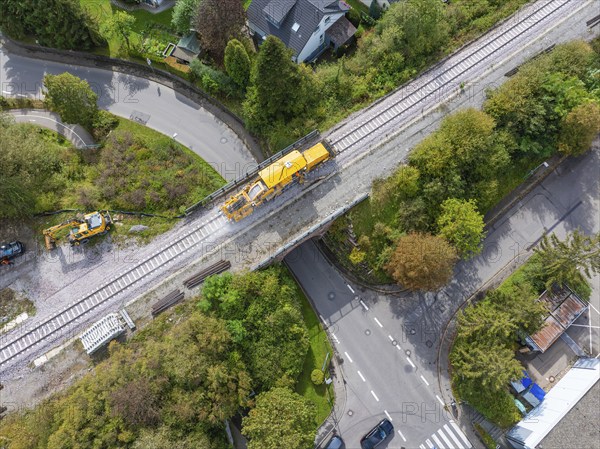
[[237, 63], [280, 419], [218, 21], [422, 262], [72, 98], [564, 261], [184, 14], [279, 89], [462, 225], [54, 23], [119, 25], [579, 128]]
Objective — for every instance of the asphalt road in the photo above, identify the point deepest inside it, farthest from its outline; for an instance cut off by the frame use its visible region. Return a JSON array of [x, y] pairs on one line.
[[388, 345], [150, 103]]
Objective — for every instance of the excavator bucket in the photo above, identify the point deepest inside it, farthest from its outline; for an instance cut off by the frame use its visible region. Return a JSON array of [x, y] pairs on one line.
[[50, 242]]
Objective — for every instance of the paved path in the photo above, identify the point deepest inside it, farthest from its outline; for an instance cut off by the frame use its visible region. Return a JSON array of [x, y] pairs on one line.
[[47, 119], [148, 102]]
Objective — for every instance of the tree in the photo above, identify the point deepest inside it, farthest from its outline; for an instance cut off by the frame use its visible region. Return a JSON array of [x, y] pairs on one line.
[[564, 261], [579, 128], [72, 98], [375, 10], [280, 419], [279, 88], [54, 23], [218, 21], [462, 225], [119, 25], [184, 14], [422, 262], [237, 63]]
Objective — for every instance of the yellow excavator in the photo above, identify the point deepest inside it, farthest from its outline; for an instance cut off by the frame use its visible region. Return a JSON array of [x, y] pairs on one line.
[[82, 228]]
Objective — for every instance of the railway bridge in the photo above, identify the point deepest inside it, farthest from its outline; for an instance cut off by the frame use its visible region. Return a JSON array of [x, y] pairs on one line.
[[368, 145]]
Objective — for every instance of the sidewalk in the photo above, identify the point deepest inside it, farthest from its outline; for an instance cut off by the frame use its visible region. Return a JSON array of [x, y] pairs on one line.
[[76, 134]]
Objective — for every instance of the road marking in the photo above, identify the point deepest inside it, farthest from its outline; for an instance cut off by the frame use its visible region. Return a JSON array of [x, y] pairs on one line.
[[377, 321], [400, 433], [424, 380], [335, 338], [322, 319], [440, 399], [349, 358], [438, 443], [460, 434], [428, 442], [449, 432], [391, 338], [388, 415], [361, 376], [421, 446], [350, 288], [446, 440], [411, 363], [398, 348], [374, 395], [363, 304]]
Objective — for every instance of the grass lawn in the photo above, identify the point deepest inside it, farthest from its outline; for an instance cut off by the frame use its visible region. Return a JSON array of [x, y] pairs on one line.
[[319, 347], [147, 26]]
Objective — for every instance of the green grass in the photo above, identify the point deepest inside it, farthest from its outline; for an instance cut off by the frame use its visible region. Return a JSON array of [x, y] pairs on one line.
[[319, 347], [147, 25], [12, 305], [246, 4]]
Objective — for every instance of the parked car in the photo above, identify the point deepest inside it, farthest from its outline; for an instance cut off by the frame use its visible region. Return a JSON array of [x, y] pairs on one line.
[[377, 435], [335, 443]]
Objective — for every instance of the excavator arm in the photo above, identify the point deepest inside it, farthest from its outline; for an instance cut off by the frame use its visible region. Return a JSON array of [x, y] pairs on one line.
[[50, 233]]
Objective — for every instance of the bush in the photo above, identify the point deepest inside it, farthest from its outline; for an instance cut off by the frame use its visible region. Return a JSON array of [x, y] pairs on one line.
[[317, 376], [211, 80], [104, 122]]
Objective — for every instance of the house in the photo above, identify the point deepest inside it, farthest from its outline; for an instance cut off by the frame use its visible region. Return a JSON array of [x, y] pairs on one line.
[[307, 27], [187, 49]]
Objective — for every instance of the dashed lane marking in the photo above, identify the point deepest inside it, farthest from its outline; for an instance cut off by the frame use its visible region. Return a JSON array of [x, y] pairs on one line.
[[349, 358], [361, 376], [350, 288], [439, 399], [374, 395], [424, 380], [388, 415], [377, 321], [363, 304], [335, 338], [411, 363], [402, 436], [391, 338]]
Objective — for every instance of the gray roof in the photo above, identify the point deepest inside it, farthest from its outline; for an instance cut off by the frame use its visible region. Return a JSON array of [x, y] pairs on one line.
[[306, 13]]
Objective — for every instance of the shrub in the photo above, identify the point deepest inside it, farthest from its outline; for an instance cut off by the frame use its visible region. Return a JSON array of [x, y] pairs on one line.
[[317, 376], [104, 122]]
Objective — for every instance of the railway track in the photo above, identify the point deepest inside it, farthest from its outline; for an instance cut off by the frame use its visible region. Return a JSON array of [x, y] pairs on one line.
[[51, 326], [401, 103], [381, 116]]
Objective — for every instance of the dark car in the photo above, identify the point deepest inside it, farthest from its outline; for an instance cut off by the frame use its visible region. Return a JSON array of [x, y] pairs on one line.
[[9, 251], [377, 435], [335, 443]]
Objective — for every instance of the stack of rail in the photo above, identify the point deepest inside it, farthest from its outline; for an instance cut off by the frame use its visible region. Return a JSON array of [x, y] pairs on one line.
[[198, 278], [170, 300]]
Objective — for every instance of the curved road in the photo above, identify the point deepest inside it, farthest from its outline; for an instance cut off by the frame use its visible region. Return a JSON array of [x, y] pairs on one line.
[[150, 103]]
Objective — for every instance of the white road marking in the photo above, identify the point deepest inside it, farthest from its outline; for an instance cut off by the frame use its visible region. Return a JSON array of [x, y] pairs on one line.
[[322, 319], [402, 436], [429, 444], [460, 434], [377, 321], [449, 432], [374, 395], [391, 338], [398, 348], [421, 446], [440, 399], [388, 415], [350, 288], [446, 440], [411, 363], [349, 358], [363, 304], [361, 376], [424, 380], [438, 443], [335, 338]]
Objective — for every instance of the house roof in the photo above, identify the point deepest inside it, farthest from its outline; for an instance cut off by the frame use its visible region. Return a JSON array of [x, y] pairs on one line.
[[564, 307], [190, 43], [306, 13], [341, 31], [534, 427]]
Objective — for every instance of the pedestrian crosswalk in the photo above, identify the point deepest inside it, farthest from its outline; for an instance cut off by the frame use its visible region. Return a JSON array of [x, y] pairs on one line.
[[449, 436]]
